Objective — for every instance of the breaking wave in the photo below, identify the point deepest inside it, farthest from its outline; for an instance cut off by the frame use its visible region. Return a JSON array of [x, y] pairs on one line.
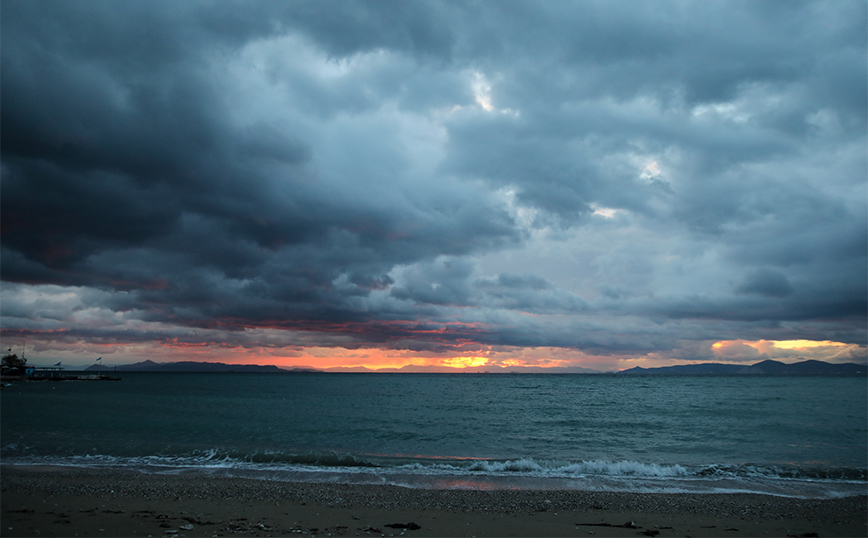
[[421, 471]]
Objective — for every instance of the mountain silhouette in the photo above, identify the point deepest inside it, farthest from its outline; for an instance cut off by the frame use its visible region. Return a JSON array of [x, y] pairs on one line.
[[767, 367], [185, 366]]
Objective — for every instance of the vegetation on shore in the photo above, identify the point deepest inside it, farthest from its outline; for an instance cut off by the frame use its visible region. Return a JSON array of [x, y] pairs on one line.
[[13, 365]]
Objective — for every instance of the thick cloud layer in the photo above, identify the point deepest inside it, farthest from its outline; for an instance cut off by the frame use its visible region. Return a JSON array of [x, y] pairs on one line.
[[616, 178]]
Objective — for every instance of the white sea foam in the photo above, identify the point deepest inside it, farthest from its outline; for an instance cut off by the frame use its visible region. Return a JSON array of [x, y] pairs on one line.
[[625, 468], [524, 465]]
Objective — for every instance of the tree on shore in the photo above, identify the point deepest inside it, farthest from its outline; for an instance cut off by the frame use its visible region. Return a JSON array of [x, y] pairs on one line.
[[12, 364]]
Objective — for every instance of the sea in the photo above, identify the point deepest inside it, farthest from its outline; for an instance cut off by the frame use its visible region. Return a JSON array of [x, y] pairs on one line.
[[803, 437]]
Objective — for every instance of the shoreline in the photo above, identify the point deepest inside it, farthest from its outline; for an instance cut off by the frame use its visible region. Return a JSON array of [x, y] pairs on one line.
[[63, 501]]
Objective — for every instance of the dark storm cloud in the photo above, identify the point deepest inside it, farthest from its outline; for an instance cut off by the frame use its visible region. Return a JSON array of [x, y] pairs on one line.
[[394, 174], [768, 283]]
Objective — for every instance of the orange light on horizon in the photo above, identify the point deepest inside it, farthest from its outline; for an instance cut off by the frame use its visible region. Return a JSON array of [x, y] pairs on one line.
[[802, 344], [762, 345], [464, 362]]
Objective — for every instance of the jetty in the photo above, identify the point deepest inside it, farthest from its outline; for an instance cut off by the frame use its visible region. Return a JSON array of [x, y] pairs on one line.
[[15, 368]]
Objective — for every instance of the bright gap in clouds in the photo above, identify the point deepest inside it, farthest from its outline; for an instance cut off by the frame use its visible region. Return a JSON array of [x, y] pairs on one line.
[[804, 344], [464, 362], [651, 170], [606, 212], [761, 345], [482, 91], [788, 351]]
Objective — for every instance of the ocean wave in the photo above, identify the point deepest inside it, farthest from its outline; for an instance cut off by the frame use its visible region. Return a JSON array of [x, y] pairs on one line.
[[325, 462], [784, 472], [215, 458], [578, 469]]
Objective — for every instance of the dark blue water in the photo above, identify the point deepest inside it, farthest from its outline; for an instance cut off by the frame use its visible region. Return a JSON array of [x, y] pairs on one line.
[[801, 436]]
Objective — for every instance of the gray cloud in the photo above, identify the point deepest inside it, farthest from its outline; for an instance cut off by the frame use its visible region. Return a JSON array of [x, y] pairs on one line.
[[604, 176], [767, 283]]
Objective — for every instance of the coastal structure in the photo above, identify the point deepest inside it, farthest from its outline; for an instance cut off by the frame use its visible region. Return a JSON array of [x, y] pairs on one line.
[[43, 372]]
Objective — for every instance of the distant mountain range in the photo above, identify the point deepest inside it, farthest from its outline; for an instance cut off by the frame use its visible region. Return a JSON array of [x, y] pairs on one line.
[[185, 366], [768, 367]]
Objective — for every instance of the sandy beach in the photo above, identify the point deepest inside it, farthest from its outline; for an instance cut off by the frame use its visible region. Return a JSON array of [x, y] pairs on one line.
[[51, 501]]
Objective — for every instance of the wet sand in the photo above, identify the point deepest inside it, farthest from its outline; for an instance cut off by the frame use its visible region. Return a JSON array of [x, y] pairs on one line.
[[51, 501]]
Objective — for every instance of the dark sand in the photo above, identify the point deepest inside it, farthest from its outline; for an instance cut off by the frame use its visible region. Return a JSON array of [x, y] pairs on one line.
[[43, 501]]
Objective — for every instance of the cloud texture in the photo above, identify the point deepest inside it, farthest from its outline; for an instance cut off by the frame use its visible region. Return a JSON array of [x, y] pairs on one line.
[[617, 179]]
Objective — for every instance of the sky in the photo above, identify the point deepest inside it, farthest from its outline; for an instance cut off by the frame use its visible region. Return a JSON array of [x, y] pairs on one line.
[[434, 184]]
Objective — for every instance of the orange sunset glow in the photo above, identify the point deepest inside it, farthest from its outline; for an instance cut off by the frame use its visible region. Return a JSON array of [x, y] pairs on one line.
[[464, 362], [470, 357], [765, 345], [786, 350], [803, 344]]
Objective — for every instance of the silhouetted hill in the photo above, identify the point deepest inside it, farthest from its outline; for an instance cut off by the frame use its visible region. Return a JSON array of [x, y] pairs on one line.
[[187, 366], [98, 368], [767, 367]]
